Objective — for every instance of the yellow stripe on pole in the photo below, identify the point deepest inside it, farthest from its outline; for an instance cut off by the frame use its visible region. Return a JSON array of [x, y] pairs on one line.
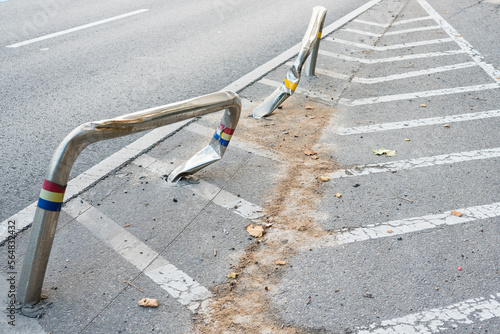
[[51, 196], [225, 136], [319, 34], [290, 85]]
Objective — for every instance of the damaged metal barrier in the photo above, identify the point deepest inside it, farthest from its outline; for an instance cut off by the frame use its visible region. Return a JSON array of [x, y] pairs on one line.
[[211, 153], [310, 47], [52, 195]]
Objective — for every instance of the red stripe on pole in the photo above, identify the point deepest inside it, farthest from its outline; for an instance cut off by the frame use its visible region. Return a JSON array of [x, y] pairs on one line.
[[53, 187]]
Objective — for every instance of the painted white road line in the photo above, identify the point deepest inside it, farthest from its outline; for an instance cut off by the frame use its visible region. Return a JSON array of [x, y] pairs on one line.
[[361, 32], [391, 59], [409, 225], [238, 143], [443, 159], [417, 122], [177, 283], [398, 76], [262, 70], [382, 25], [406, 31], [464, 45], [396, 32], [91, 176], [85, 26], [332, 74], [416, 19], [389, 47], [310, 93], [205, 189], [24, 217], [416, 95], [439, 319]]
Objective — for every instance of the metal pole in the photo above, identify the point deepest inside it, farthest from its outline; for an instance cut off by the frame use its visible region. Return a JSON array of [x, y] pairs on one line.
[[52, 194], [310, 65], [292, 78]]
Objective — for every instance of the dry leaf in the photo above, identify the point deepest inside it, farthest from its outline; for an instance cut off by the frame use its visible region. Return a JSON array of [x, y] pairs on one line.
[[407, 139], [309, 108], [126, 225], [232, 275], [423, 105], [148, 302], [446, 126], [338, 195], [215, 252], [324, 178], [456, 213], [458, 35], [309, 152], [255, 231], [315, 157], [382, 151], [390, 231], [279, 263]]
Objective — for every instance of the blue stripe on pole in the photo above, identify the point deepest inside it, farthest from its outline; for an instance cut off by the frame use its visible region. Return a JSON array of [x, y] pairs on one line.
[[224, 142], [48, 205]]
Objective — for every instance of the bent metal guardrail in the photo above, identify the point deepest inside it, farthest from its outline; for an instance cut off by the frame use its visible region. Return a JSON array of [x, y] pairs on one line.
[[310, 46], [52, 194]]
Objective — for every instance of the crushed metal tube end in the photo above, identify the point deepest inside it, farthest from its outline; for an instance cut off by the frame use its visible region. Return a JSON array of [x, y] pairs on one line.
[[310, 46], [211, 153]]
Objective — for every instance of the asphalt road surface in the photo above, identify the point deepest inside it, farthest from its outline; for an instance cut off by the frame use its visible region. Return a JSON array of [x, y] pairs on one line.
[[355, 242], [169, 52]]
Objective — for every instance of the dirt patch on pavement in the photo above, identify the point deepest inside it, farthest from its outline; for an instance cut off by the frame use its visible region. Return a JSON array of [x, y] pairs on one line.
[[242, 304]]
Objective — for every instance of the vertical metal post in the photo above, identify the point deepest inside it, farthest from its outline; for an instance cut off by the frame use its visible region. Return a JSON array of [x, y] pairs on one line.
[[289, 85], [51, 197], [310, 65]]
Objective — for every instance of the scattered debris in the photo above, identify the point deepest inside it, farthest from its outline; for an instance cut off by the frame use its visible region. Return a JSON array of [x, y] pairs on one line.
[[215, 252], [406, 199], [458, 35], [309, 152], [309, 301], [459, 268], [407, 139], [423, 105], [124, 281], [315, 157], [337, 290], [255, 231], [390, 231], [175, 200], [324, 178], [368, 295], [232, 275], [446, 126], [338, 195], [127, 225], [456, 213], [148, 302], [279, 263], [309, 108], [382, 151]]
